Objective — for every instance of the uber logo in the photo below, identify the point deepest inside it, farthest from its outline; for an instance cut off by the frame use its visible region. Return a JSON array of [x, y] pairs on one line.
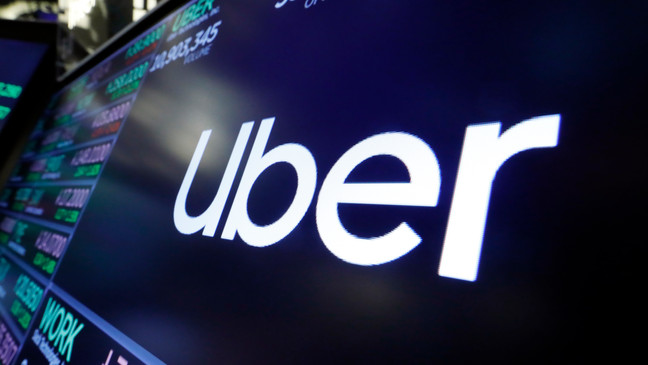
[[484, 151]]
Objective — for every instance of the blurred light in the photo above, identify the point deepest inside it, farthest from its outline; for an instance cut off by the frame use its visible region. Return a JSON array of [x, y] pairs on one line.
[[78, 10], [138, 13], [141, 7]]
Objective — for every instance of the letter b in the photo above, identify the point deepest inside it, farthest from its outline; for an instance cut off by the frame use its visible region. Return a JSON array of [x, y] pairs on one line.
[[301, 160]]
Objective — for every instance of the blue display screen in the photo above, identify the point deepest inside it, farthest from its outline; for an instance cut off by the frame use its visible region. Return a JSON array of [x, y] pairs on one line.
[[335, 181], [18, 61]]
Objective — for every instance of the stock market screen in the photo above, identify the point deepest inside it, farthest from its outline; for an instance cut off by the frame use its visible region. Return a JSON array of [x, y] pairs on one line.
[[18, 61], [311, 181]]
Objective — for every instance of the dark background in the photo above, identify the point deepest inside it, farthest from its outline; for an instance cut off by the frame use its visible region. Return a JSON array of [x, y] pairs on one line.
[[559, 269]]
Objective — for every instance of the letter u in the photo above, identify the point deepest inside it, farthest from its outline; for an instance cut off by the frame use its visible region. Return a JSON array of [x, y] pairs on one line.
[[209, 218]]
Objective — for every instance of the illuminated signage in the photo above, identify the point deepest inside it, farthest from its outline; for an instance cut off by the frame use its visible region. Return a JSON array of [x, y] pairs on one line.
[[342, 184], [9, 90], [4, 111], [307, 3], [193, 13], [20, 294], [127, 82], [145, 45], [59, 327], [484, 151], [8, 344], [63, 335]]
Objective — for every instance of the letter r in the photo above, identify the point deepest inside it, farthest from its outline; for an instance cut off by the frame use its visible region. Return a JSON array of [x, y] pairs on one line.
[[484, 151]]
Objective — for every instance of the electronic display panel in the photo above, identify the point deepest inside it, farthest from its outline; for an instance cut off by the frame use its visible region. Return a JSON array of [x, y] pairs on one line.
[[27, 77], [326, 182], [18, 62], [41, 204]]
